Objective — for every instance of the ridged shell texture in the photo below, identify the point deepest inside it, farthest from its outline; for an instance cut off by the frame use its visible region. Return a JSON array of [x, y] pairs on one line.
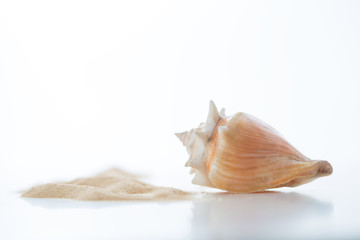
[[243, 154]]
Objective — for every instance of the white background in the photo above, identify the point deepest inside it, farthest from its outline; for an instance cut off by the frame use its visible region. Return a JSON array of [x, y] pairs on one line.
[[87, 85]]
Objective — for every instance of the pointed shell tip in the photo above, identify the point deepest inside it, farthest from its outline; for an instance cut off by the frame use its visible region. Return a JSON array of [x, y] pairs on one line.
[[324, 168]]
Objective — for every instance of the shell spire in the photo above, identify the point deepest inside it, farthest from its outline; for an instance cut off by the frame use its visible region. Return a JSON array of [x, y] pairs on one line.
[[185, 138], [241, 153], [196, 141]]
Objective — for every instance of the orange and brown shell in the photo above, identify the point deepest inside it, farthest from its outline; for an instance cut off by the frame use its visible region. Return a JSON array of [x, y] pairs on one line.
[[241, 153]]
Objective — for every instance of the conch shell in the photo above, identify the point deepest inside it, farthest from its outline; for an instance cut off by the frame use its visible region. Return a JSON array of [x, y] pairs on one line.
[[241, 154]]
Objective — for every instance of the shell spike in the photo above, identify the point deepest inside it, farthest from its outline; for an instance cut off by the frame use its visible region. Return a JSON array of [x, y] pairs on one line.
[[187, 139], [182, 136], [212, 118], [222, 113]]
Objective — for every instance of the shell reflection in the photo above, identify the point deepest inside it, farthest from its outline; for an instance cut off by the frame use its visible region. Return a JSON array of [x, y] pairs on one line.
[[270, 215]]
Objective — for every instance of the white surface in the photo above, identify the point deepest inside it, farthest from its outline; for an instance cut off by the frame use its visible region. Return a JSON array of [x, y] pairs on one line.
[[277, 215], [87, 85]]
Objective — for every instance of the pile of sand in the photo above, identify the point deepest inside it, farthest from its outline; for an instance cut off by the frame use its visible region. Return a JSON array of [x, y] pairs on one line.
[[112, 184]]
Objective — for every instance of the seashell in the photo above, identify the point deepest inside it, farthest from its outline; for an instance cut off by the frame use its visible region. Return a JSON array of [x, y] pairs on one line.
[[241, 153]]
